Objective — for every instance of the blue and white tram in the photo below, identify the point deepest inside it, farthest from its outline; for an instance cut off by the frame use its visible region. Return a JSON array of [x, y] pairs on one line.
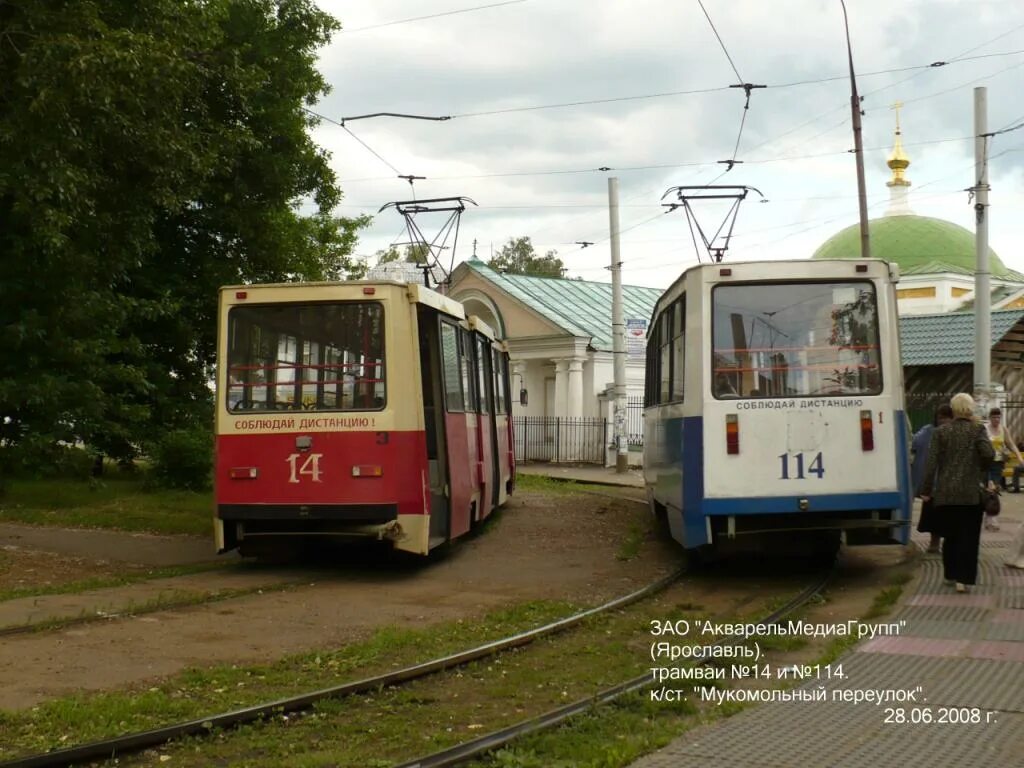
[[774, 416]]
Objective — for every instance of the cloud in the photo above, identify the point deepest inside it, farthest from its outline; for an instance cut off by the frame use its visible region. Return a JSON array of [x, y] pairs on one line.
[[795, 139]]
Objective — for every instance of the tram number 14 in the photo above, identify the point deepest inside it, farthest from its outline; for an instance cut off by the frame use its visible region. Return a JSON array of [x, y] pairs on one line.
[[795, 465]]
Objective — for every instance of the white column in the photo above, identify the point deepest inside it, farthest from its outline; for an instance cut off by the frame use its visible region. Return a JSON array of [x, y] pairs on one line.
[[557, 424], [574, 404], [561, 382], [518, 382]]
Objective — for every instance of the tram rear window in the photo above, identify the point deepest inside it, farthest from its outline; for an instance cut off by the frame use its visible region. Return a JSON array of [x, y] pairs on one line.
[[315, 357], [795, 340]]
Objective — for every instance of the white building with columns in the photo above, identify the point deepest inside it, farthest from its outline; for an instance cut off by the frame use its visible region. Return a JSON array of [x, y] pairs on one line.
[[559, 334]]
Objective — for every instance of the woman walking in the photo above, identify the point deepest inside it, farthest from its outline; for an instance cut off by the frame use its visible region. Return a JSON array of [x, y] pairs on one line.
[[929, 521], [958, 460]]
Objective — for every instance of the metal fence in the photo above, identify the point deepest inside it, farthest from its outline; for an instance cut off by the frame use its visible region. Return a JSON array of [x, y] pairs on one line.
[[552, 438], [635, 421], [921, 409]]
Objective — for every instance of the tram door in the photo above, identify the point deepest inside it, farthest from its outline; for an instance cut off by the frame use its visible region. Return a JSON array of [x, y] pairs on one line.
[[488, 417], [433, 418]]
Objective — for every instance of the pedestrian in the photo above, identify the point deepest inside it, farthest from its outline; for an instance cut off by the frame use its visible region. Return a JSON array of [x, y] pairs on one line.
[[958, 462], [1003, 445], [929, 521]]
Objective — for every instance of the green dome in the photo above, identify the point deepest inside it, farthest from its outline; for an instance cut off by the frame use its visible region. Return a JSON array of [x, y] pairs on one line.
[[912, 241]]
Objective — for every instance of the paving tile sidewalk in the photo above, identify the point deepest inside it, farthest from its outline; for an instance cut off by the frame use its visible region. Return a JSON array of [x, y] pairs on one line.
[[963, 653]]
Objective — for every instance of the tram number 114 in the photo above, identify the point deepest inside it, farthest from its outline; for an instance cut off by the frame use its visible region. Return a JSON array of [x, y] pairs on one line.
[[795, 465]]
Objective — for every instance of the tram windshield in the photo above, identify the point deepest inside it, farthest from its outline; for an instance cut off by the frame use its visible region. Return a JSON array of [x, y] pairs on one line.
[[315, 357], [795, 340]]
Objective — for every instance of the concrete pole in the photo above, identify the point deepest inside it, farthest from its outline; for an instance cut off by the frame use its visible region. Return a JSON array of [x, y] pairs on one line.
[[982, 276], [858, 148], [618, 332]]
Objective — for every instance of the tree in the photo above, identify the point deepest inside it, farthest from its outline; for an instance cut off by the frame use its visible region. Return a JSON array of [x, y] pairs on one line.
[[149, 153], [517, 257], [414, 254]]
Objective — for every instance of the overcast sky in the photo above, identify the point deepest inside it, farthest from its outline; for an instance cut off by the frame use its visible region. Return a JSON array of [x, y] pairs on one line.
[[533, 171]]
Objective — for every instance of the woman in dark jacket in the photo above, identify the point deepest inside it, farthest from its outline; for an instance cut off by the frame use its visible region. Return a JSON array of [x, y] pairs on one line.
[[929, 521], [958, 460]]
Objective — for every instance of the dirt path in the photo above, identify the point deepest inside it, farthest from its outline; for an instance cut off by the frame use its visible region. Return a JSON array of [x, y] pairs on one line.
[[541, 546]]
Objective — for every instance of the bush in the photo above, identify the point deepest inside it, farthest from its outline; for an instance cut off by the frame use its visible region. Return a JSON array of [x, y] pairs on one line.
[[184, 459], [39, 459]]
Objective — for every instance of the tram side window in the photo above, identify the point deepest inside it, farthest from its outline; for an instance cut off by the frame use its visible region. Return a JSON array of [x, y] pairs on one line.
[[665, 356], [452, 374], [483, 355], [678, 349], [500, 379], [651, 369], [467, 363]]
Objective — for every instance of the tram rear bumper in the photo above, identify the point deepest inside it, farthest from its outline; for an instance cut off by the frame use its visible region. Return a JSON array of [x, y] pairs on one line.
[[354, 513], [835, 502]]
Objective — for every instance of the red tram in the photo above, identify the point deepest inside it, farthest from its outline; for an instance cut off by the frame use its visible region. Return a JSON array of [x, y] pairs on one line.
[[367, 409]]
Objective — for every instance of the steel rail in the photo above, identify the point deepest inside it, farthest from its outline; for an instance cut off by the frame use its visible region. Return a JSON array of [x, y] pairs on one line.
[[120, 745], [489, 741]]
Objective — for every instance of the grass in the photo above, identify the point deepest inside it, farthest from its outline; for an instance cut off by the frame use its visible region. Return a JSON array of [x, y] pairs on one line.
[[613, 735], [199, 692], [165, 600], [106, 582], [631, 545], [545, 484], [120, 502], [395, 724], [391, 724], [441, 711], [125, 502]]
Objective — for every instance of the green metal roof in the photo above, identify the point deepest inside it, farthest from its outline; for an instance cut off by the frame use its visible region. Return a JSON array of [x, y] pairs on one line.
[[948, 339], [914, 242], [937, 266], [579, 307], [999, 293]]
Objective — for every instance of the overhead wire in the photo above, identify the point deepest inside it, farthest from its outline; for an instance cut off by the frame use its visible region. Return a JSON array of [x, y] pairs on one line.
[[630, 168], [716, 89], [431, 16], [689, 92], [815, 222], [921, 68], [348, 130], [725, 50]]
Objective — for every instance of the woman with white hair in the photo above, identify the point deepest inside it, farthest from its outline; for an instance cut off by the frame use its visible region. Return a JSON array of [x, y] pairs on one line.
[[958, 460]]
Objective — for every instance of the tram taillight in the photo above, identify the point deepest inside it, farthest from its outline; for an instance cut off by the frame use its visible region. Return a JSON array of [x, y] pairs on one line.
[[867, 432], [732, 433]]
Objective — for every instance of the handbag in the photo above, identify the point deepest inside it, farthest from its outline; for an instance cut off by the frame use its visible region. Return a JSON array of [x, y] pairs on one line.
[[991, 503]]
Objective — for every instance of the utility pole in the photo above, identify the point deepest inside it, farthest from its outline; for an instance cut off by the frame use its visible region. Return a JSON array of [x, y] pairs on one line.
[[982, 290], [618, 332], [858, 148]]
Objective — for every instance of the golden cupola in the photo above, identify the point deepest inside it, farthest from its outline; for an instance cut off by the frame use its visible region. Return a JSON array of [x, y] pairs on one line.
[[899, 184]]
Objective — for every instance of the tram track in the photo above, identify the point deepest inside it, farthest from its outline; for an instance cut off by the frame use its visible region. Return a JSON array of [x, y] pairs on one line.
[[468, 750], [135, 742]]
